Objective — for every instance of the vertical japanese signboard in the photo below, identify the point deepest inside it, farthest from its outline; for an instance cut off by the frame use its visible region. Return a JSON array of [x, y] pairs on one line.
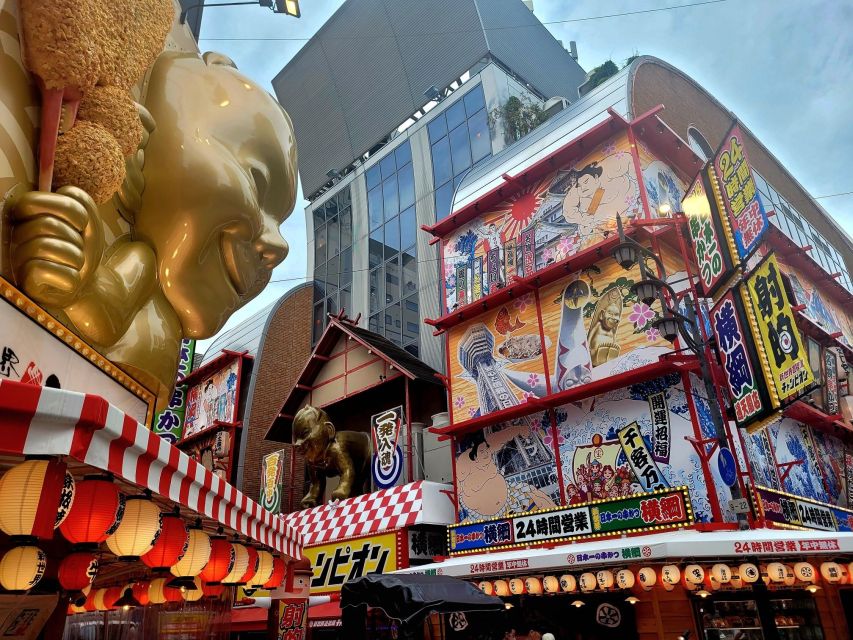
[[830, 382], [292, 619], [744, 210], [641, 461], [493, 269], [169, 423], [272, 477], [510, 257], [462, 284], [787, 365], [387, 462], [528, 252], [709, 246], [746, 389], [477, 279]]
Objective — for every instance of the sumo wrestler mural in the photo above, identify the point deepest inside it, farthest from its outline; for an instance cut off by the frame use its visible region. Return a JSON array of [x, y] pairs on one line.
[[146, 222]]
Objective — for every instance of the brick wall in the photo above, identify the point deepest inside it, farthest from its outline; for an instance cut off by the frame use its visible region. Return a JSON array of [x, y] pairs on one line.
[[283, 354], [688, 104]]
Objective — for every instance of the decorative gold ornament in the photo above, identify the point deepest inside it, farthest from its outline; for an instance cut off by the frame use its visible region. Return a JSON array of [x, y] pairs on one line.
[[330, 453]]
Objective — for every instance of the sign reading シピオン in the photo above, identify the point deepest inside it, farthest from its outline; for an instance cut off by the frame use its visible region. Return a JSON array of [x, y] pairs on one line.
[[338, 562], [787, 366]]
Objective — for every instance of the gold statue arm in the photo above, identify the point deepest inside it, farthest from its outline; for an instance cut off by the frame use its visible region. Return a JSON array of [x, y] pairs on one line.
[[121, 285], [347, 469], [315, 491]]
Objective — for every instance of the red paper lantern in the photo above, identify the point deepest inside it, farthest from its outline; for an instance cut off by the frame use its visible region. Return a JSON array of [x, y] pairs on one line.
[[252, 567], [111, 595], [76, 571], [213, 590], [171, 544], [89, 605], [140, 592], [278, 569], [221, 561], [173, 594], [95, 513]]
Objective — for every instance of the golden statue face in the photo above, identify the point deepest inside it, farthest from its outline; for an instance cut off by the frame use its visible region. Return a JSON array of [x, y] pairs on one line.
[[220, 177], [611, 316]]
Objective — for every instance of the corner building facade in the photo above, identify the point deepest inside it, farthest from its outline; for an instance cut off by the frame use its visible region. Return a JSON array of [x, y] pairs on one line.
[[658, 481]]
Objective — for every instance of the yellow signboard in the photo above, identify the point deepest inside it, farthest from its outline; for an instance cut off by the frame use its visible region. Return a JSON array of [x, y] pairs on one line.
[[336, 563], [785, 360]]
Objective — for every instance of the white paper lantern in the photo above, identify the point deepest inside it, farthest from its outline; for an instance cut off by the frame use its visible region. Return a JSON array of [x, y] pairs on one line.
[[551, 584], [568, 583], [670, 574], [194, 595], [22, 568], [241, 563], [138, 530], [604, 578], [625, 579], [831, 572], [694, 574], [588, 582], [516, 586], [748, 573], [195, 557], [775, 572], [501, 588], [264, 572], [533, 586], [722, 573], [647, 578], [486, 587]]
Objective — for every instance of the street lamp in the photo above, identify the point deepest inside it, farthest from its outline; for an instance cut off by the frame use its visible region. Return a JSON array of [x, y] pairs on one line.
[[287, 7], [673, 324]]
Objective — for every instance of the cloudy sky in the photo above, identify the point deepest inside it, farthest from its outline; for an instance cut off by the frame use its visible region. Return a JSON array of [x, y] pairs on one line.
[[785, 67]]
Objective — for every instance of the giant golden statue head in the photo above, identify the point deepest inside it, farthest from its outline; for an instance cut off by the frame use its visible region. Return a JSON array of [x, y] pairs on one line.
[[162, 217]]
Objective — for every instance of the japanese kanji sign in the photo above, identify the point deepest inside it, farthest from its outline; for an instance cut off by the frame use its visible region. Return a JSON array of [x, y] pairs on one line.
[[462, 284], [786, 509], [477, 278], [272, 477], [169, 423], [830, 382], [493, 268], [292, 619], [733, 341], [528, 252], [510, 257], [712, 254], [787, 361], [387, 461], [641, 461], [743, 205], [659, 411], [336, 563], [666, 508]]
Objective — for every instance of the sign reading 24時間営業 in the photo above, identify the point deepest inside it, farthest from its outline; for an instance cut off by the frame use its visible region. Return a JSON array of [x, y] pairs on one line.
[[744, 210], [788, 366], [664, 509]]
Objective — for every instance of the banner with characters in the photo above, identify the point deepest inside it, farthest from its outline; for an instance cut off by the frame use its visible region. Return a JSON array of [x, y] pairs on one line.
[[338, 562], [272, 478], [292, 619], [169, 423], [214, 400], [553, 218], [386, 463]]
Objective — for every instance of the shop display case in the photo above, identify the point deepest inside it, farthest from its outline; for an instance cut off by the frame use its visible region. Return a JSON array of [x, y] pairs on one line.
[[796, 618], [739, 617], [731, 620]]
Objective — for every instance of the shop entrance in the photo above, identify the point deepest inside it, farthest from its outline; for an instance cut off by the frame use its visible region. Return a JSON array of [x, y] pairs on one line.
[[584, 617]]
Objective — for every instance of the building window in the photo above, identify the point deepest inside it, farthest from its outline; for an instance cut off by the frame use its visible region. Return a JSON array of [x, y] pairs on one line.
[[332, 258], [699, 144], [460, 138], [392, 249]]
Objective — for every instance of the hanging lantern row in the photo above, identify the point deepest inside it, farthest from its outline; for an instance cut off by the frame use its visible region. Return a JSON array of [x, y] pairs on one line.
[[40, 495], [693, 577]]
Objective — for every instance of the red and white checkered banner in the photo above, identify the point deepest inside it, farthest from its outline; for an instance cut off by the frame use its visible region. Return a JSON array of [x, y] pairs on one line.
[[375, 512], [43, 421]]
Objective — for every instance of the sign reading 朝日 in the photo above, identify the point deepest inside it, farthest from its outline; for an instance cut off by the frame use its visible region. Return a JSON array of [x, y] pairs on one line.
[[336, 563], [663, 509], [740, 197], [788, 367]]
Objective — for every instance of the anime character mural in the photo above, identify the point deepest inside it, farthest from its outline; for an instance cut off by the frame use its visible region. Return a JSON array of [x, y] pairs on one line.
[[505, 469]]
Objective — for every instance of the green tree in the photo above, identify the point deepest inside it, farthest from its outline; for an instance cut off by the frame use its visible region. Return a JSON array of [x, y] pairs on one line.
[[519, 116]]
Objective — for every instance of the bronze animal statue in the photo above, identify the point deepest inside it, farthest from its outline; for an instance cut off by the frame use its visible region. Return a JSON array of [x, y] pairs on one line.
[[329, 453]]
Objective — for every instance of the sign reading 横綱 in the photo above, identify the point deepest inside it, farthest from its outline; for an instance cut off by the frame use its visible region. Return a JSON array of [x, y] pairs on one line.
[[788, 369], [746, 389], [169, 423], [641, 461], [709, 245], [743, 206], [663, 509], [787, 509], [387, 462]]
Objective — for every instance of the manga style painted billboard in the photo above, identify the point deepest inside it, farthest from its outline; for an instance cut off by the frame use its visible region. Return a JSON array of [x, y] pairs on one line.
[[506, 469], [554, 218], [213, 400]]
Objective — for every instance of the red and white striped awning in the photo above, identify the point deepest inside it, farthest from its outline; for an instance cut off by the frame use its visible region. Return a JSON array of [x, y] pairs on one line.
[[43, 421]]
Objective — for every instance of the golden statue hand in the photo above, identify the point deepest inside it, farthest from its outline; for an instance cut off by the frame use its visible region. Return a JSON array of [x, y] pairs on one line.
[[56, 244]]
